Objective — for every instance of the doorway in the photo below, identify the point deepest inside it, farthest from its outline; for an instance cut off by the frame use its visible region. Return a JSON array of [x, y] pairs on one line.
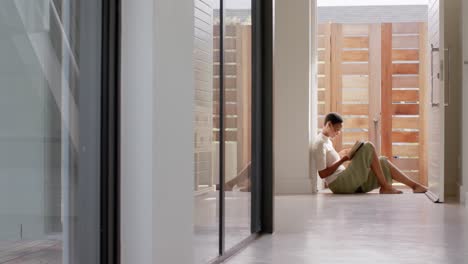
[[373, 71]]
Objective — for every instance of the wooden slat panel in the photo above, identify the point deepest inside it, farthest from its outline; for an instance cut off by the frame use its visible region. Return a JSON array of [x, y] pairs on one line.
[[321, 28], [321, 109], [355, 68], [321, 55], [356, 95], [321, 82], [228, 136], [321, 96], [406, 151], [229, 95], [229, 122], [405, 122], [321, 68], [355, 109], [229, 109], [405, 82], [355, 29], [355, 55], [355, 81], [321, 41], [353, 136], [406, 164], [405, 68], [405, 109], [405, 95], [356, 123], [356, 42], [405, 28], [229, 82], [229, 43], [405, 42], [230, 31], [229, 69], [348, 145], [405, 55], [405, 137]]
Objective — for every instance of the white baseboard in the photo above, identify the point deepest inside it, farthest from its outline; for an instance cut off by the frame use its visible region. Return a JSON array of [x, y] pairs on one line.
[[294, 186]]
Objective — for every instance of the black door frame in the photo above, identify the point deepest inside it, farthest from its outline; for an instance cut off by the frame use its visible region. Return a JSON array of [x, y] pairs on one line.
[[110, 132]]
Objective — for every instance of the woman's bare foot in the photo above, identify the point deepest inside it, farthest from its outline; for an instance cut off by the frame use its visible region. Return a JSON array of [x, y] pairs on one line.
[[419, 189], [389, 190]]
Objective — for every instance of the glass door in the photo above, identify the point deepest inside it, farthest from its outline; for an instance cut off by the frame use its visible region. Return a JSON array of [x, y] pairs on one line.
[[223, 126], [50, 99]]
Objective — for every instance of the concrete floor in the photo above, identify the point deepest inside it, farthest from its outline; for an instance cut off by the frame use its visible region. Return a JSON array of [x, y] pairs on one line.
[[206, 223], [367, 228]]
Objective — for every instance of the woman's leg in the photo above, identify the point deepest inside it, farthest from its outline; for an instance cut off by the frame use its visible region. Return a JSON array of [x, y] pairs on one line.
[[399, 176], [385, 187]]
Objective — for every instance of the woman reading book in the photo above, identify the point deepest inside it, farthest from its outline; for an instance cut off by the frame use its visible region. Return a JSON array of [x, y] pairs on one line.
[[366, 172]]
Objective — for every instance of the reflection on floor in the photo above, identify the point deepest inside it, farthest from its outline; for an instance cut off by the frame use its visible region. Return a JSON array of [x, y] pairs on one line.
[[31, 252], [365, 228], [206, 222]]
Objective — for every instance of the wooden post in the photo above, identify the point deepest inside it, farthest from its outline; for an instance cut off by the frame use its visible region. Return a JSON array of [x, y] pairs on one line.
[[336, 75], [386, 93], [327, 60], [375, 65], [244, 92], [423, 54]]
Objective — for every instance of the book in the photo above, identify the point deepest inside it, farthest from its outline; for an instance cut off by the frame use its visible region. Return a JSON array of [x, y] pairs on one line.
[[355, 148]]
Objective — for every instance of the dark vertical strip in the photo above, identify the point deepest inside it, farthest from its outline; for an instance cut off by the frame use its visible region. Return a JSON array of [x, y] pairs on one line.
[[221, 133], [256, 224], [110, 117], [267, 182]]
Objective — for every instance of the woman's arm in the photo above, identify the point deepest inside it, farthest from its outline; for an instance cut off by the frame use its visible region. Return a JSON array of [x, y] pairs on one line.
[[330, 170]]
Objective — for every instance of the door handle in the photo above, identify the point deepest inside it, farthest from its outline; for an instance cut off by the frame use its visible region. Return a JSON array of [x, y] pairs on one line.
[[433, 49]]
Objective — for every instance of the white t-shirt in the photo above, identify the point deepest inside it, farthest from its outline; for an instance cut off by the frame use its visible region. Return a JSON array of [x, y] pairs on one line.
[[325, 155]]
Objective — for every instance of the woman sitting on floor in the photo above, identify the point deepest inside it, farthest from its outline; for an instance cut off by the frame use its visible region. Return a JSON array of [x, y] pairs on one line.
[[366, 171]]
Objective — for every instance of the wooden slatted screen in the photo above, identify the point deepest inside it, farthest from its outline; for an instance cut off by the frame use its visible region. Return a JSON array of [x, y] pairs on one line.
[[374, 75]]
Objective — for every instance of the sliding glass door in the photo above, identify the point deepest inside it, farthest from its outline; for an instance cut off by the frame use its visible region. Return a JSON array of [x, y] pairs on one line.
[[223, 126], [50, 131]]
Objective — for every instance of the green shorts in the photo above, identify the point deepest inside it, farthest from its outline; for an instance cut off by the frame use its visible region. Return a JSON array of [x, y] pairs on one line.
[[358, 176]]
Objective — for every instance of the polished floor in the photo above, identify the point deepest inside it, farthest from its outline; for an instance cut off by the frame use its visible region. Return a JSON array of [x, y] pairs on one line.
[[365, 228], [206, 223]]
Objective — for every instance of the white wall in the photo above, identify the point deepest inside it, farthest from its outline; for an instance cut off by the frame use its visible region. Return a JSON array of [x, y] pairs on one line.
[[157, 131], [291, 93]]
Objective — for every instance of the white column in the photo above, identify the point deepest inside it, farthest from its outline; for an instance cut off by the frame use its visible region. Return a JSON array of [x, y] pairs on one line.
[[136, 131], [292, 93], [157, 131], [173, 132]]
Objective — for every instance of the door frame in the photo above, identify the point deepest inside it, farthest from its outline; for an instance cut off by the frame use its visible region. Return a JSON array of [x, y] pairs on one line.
[[110, 131]]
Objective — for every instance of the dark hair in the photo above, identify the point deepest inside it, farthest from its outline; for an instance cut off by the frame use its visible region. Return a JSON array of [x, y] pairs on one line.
[[334, 118]]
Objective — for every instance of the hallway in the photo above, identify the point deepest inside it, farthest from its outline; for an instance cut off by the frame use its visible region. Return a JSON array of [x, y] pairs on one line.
[[367, 228]]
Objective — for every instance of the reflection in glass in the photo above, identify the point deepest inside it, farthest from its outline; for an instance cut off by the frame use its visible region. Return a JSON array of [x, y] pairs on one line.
[[40, 209], [206, 115], [237, 119]]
